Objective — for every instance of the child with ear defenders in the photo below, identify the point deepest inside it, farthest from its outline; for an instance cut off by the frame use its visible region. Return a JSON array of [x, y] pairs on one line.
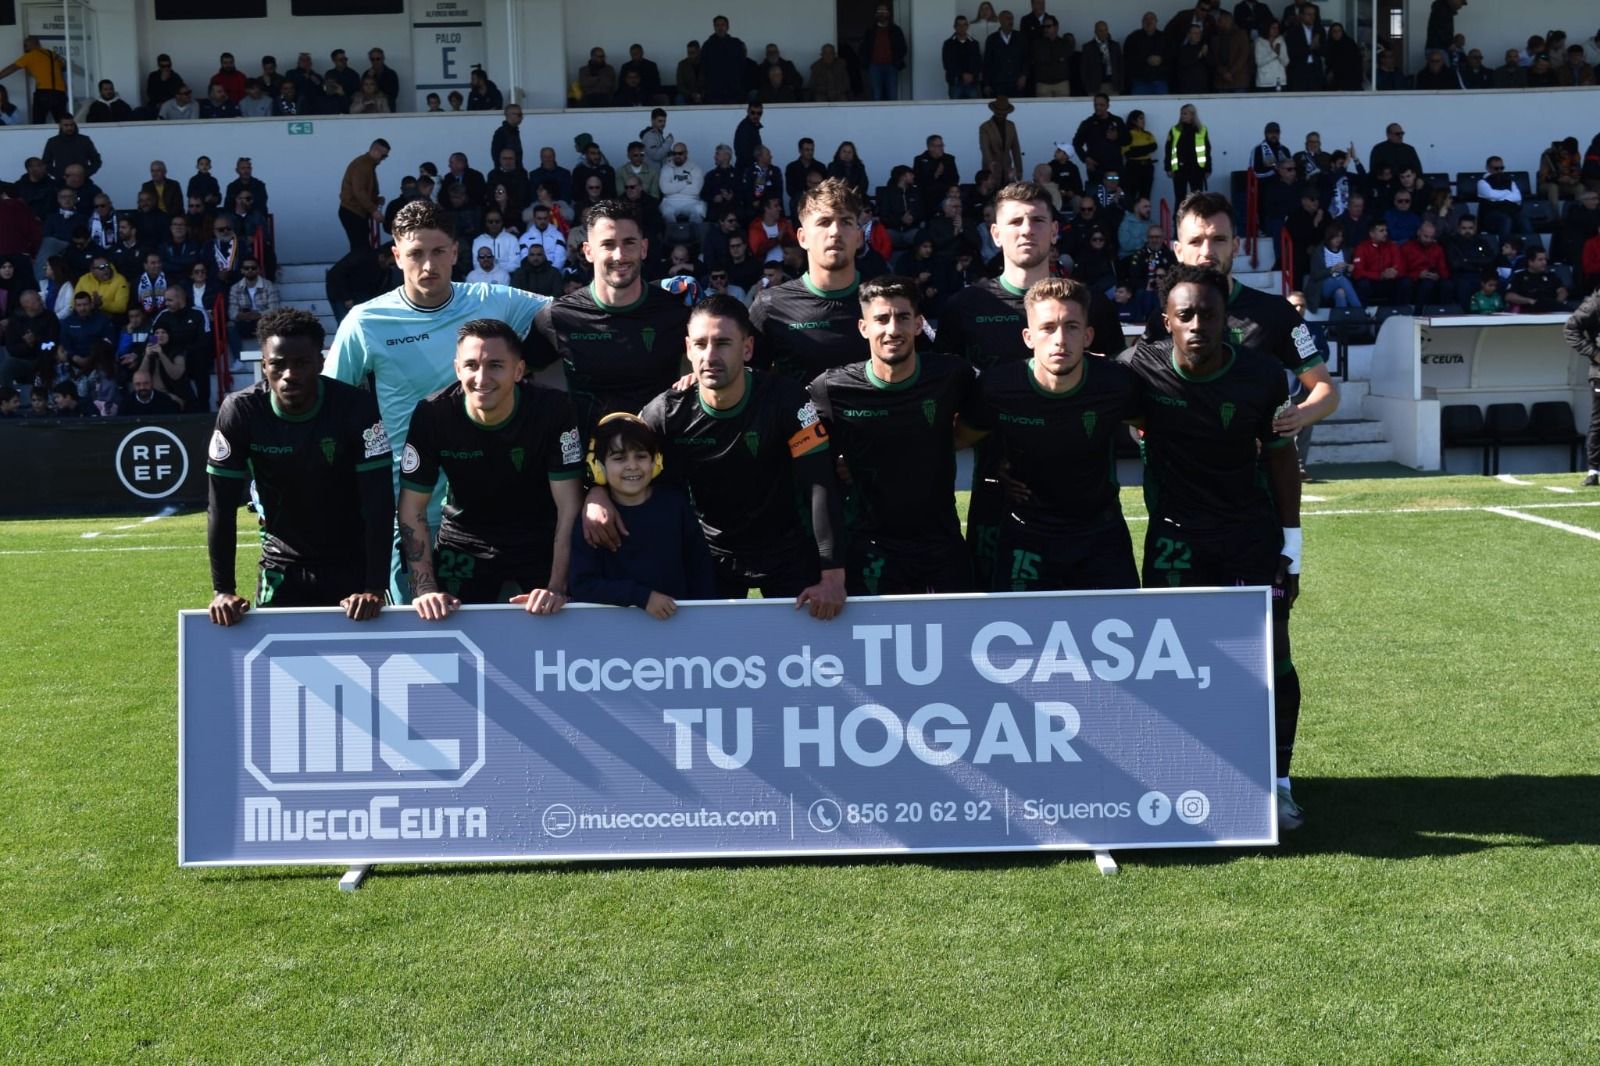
[[664, 557]]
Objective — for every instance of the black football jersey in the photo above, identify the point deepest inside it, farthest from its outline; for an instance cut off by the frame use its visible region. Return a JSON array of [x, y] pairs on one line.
[[616, 358], [498, 502], [1062, 446], [1264, 323], [1203, 437], [305, 468], [898, 441], [746, 468], [802, 330]]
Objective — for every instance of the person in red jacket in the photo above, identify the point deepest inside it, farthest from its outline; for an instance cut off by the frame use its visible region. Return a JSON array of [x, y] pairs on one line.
[[1426, 270], [1591, 262], [876, 233], [771, 230], [20, 232], [1380, 268], [230, 77]]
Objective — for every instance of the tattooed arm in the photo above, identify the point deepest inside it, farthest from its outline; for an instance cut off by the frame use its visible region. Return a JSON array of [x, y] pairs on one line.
[[431, 604]]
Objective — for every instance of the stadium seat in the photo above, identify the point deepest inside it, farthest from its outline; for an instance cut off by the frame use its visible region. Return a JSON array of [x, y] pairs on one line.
[[1386, 313], [1461, 426], [1507, 425], [1524, 185], [1540, 215], [1437, 181], [1467, 187], [1551, 422], [1564, 275], [1347, 326], [1440, 310]]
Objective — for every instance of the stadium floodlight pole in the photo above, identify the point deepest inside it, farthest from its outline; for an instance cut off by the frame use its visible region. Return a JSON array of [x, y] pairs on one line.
[[1374, 48]]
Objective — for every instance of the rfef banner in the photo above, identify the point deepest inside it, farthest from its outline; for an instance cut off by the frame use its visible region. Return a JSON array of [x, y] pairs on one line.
[[58, 466], [971, 723]]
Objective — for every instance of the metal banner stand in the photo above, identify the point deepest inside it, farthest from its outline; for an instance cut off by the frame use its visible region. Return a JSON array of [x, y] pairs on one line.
[[353, 877], [1102, 862]]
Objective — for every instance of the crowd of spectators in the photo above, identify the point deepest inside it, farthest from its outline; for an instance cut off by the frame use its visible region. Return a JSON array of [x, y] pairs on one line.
[[125, 307]]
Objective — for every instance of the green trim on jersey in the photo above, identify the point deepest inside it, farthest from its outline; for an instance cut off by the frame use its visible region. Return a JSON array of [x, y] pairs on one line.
[[1083, 379], [376, 464], [516, 404], [644, 294], [744, 400], [242, 475], [895, 386], [286, 416], [565, 475], [830, 294], [1012, 289], [1279, 442], [1185, 375]]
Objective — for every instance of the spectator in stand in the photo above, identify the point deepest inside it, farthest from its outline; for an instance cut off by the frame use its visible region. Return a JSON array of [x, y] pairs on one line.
[[470, 180], [307, 82], [1271, 53], [141, 400], [1436, 75], [204, 294], [1513, 75], [1390, 79], [1050, 60], [1266, 156], [761, 182], [1187, 154], [347, 79], [962, 57], [848, 167], [1560, 172], [1328, 270], [1444, 213], [936, 172], [248, 299], [359, 201], [1101, 62], [883, 53], [1380, 269], [456, 100], [591, 192], [773, 88], [225, 251], [203, 183], [770, 233], [1347, 69], [67, 147], [547, 171], [482, 94], [789, 75], [180, 251], [47, 69], [108, 106], [217, 104], [485, 270], [536, 274], [32, 332], [1500, 200], [1230, 56], [287, 102], [1134, 228], [20, 229], [181, 108], [690, 83], [82, 327], [161, 84], [1306, 70], [543, 233], [388, 81], [360, 276], [1402, 217], [1580, 222], [639, 167], [1394, 152], [1100, 139], [721, 188], [1575, 71], [246, 219], [1534, 289], [649, 73], [597, 80], [1193, 65], [796, 173], [10, 113], [1591, 165], [900, 206], [722, 59], [999, 148], [271, 81], [1145, 53], [370, 100], [747, 136], [1541, 75], [186, 355], [1305, 226], [1427, 268], [1473, 74], [830, 77], [230, 77], [1442, 23], [150, 287], [149, 221], [246, 181], [1005, 61], [594, 165], [166, 194], [256, 102]]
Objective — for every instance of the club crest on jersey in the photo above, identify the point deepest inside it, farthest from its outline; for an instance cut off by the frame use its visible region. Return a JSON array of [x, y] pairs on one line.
[[1089, 420], [517, 456], [409, 460], [1226, 411], [220, 450], [329, 449], [752, 440], [1236, 334], [1304, 342], [571, 447], [930, 408], [375, 439], [648, 335], [807, 415]]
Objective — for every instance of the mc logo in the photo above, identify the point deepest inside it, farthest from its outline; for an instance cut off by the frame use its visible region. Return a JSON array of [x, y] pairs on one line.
[[346, 711]]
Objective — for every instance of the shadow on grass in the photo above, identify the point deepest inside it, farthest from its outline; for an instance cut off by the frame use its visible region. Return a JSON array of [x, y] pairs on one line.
[[1376, 817]]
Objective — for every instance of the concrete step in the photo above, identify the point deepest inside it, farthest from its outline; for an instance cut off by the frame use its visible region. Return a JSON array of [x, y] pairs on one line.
[[1352, 395], [320, 308], [1364, 452], [291, 273], [1265, 280], [1347, 431], [294, 291]]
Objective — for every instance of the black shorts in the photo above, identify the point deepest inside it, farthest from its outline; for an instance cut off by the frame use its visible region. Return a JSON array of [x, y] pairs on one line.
[[1029, 560], [986, 511], [479, 579], [285, 584], [778, 575], [876, 569], [1240, 555]]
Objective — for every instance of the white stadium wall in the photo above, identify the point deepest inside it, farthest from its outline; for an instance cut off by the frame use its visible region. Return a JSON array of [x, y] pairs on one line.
[[303, 172]]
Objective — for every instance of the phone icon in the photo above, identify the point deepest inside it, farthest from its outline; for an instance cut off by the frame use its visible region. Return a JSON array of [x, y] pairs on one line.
[[824, 816]]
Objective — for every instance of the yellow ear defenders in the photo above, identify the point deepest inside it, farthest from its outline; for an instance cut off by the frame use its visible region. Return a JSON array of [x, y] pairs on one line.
[[597, 468]]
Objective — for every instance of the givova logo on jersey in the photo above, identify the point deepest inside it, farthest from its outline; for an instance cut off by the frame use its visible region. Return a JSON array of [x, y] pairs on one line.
[[345, 711]]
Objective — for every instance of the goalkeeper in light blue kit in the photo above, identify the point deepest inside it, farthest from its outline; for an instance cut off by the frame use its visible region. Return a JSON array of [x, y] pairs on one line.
[[405, 340]]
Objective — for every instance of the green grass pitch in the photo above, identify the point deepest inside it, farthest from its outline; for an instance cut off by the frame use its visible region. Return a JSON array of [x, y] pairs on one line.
[[1442, 905]]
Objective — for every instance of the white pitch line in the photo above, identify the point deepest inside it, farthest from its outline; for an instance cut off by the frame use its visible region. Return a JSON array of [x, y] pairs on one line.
[[129, 548], [1560, 488], [1509, 480], [1538, 520]]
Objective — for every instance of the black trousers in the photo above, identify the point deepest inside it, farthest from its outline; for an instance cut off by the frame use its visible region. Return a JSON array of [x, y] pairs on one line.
[[49, 105], [356, 230], [1594, 424]]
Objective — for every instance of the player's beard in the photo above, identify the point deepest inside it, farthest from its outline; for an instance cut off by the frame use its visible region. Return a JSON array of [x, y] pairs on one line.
[[1031, 258], [621, 275]]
